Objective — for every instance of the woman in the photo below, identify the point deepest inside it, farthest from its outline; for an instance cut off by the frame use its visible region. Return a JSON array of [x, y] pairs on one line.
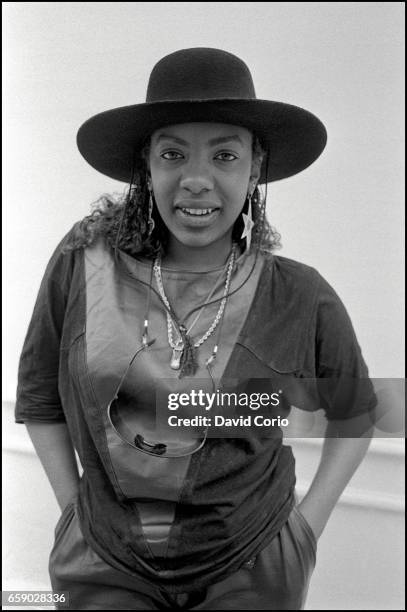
[[175, 289]]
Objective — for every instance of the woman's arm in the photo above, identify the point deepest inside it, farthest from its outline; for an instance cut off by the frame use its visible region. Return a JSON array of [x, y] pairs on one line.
[[347, 396], [340, 458], [53, 445]]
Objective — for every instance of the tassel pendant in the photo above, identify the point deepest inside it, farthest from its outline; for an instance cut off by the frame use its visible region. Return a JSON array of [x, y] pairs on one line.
[[187, 359], [175, 362]]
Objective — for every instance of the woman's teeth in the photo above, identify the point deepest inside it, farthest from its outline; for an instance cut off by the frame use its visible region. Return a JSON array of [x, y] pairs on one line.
[[197, 211]]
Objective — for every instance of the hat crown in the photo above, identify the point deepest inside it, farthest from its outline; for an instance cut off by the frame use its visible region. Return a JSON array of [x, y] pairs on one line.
[[200, 73]]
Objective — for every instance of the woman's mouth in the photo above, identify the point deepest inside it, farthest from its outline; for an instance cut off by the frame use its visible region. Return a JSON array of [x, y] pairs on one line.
[[197, 211], [196, 217]]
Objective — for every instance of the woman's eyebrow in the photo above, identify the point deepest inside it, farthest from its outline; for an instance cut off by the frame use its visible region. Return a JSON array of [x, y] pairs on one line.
[[212, 142]]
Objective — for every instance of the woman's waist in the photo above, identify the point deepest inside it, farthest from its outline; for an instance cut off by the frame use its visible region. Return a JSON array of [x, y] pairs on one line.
[[201, 544]]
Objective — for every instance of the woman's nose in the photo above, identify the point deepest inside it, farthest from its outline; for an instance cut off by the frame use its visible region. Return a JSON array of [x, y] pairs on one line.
[[196, 177]]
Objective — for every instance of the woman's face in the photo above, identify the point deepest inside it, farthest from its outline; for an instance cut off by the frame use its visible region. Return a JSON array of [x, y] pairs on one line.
[[201, 174]]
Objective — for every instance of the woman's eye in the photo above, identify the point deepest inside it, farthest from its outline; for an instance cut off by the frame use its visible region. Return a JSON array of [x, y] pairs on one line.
[[174, 155], [226, 156], [171, 155]]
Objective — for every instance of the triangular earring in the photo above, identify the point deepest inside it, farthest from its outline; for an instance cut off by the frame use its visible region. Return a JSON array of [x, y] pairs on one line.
[[248, 224]]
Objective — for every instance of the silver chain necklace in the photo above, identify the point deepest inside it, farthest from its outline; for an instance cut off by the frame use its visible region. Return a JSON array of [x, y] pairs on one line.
[[178, 345]]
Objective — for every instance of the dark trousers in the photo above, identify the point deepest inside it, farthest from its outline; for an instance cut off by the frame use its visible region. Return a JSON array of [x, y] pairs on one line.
[[276, 579]]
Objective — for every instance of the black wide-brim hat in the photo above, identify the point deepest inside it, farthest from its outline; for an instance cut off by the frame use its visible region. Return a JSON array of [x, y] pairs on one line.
[[203, 85]]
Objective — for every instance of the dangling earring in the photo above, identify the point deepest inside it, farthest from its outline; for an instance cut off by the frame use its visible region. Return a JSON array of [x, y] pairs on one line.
[[151, 223], [248, 224]]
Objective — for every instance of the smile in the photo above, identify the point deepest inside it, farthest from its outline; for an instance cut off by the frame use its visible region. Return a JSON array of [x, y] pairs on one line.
[[196, 217], [197, 211]]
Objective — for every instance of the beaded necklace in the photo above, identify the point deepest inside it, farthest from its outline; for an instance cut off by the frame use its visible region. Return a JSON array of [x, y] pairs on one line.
[[183, 355]]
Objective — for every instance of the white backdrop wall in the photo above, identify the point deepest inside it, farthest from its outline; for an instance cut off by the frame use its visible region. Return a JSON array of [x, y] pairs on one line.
[[65, 61]]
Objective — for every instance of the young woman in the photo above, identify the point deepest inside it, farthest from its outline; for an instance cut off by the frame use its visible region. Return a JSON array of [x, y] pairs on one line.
[[175, 289]]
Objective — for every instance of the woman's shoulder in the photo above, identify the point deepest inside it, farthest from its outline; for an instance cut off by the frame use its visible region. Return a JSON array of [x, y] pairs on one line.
[[66, 255], [293, 277], [67, 242], [294, 280], [77, 240], [292, 271]]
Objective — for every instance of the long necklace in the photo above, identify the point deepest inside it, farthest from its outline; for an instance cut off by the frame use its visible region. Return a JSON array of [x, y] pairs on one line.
[[183, 343]]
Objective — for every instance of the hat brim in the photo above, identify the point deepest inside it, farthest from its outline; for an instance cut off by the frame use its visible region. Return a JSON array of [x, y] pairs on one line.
[[293, 136]]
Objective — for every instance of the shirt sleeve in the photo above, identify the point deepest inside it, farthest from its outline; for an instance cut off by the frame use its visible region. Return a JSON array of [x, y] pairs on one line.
[[345, 389], [37, 389]]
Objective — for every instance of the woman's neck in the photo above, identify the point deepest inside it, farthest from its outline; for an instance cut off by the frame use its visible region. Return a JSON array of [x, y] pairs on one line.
[[197, 259]]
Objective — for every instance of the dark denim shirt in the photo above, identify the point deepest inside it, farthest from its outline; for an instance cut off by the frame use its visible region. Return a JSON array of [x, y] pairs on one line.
[[238, 492]]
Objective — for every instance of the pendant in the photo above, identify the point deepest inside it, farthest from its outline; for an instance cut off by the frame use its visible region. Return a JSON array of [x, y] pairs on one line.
[[176, 358]]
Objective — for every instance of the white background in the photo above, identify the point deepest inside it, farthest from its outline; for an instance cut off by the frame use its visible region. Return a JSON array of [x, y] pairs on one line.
[[343, 61]]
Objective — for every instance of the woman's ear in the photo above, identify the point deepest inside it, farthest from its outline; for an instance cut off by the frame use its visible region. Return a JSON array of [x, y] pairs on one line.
[[145, 155], [256, 169], [148, 174], [254, 179]]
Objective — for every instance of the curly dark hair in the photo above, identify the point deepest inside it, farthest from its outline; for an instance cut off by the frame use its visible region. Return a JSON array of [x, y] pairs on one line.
[[123, 219]]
